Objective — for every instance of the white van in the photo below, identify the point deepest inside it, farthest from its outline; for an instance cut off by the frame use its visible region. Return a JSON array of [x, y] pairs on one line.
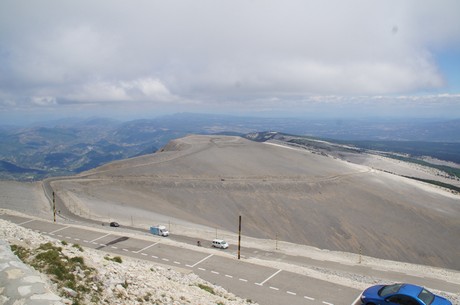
[[219, 243]]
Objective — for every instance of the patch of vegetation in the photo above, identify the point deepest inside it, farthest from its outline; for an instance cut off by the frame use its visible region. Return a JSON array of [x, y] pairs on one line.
[[439, 150], [20, 252], [66, 272], [116, 259], [78, 247], [206, 288], [438, 183]]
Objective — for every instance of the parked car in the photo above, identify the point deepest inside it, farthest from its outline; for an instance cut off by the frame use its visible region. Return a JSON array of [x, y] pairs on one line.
[[219, 243], [401, 294], [114, 224]]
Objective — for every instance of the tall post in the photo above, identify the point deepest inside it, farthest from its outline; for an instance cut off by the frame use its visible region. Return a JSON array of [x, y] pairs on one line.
[[54, 207], [239, 237]]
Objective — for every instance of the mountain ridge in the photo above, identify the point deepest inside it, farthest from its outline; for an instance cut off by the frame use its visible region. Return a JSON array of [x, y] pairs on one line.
[[293, 193]]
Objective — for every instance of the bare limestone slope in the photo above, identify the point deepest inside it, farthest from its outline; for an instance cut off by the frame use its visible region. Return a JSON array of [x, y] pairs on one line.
[[289, 194]]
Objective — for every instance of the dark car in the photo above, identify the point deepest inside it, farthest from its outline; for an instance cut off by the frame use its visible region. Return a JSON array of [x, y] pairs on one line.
[[114, 224], [401, 294]]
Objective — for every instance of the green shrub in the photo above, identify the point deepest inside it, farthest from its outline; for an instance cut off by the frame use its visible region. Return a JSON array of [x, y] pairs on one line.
[[206, 288], [49, 259]]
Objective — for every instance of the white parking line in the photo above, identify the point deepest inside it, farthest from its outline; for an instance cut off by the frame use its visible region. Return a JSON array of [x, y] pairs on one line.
[[202, 260], [144, 254], [177, 263], [51, 233], [243, 280], [23, 223], [356, 300], [153, 256], [274, 288], [165, 259], [268, 278], [99, 237], [291, 293], [309, 298], [230, 276], [113, 247], [59, 235], [126, 250], [85, 241], [215, 272], [141, 250], [327, 303], [202, 269]]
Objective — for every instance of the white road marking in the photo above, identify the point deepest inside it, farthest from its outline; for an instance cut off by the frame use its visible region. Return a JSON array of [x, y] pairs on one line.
[[165, 259], [126, 250], [144, 254], [356, 300], [114, 247], [57, 230], [202, 260], [100, 237], [146, 248], [154, 256], [327, 303], [274, 288], [268, 278], [291, 293], [177, 263], [243, 280], [85, 241], [60, 235], [202, 269], [23, 223], [309, 298], [215, 272], [230, 276], [77, 239]]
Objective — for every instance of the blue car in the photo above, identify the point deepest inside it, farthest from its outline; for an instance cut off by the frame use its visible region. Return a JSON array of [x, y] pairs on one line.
[[401, 294]]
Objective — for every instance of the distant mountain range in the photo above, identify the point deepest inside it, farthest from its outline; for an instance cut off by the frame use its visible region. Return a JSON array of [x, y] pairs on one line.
[[71, 146]]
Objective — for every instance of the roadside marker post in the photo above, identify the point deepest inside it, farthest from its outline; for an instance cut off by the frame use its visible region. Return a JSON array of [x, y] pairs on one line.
[[239, 237], [54, 207]]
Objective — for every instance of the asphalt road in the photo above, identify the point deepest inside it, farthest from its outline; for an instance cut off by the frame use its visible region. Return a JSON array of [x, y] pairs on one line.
[[265, 285], [341, 295]]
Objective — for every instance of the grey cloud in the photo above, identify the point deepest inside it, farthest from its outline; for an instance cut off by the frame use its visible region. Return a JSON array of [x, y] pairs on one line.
[[195, 52]]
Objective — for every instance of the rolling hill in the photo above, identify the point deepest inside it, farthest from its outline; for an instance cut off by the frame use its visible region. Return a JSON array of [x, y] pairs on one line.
[[293, 194]]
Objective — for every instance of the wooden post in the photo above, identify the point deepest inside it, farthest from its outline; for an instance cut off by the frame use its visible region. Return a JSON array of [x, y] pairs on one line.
[[54, 207], [239, 237]]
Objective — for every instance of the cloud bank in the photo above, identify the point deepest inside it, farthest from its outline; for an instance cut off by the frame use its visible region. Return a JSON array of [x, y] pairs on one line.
[[222, 54]]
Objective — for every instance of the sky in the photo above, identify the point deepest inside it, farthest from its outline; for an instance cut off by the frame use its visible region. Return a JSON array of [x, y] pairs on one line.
[[307, 58]]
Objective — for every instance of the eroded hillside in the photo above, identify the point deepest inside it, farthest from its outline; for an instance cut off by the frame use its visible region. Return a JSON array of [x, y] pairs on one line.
[[285, 193]]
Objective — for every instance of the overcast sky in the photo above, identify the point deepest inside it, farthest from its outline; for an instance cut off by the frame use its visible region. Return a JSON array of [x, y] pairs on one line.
[[138, 59]]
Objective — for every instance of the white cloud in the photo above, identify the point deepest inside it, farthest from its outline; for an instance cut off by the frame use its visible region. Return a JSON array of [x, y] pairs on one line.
[[149, 89], [214, 53], [44, 100], [142, 89]]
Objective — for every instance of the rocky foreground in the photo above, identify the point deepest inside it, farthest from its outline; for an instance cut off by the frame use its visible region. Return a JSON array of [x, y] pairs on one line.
[[98, 278]]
